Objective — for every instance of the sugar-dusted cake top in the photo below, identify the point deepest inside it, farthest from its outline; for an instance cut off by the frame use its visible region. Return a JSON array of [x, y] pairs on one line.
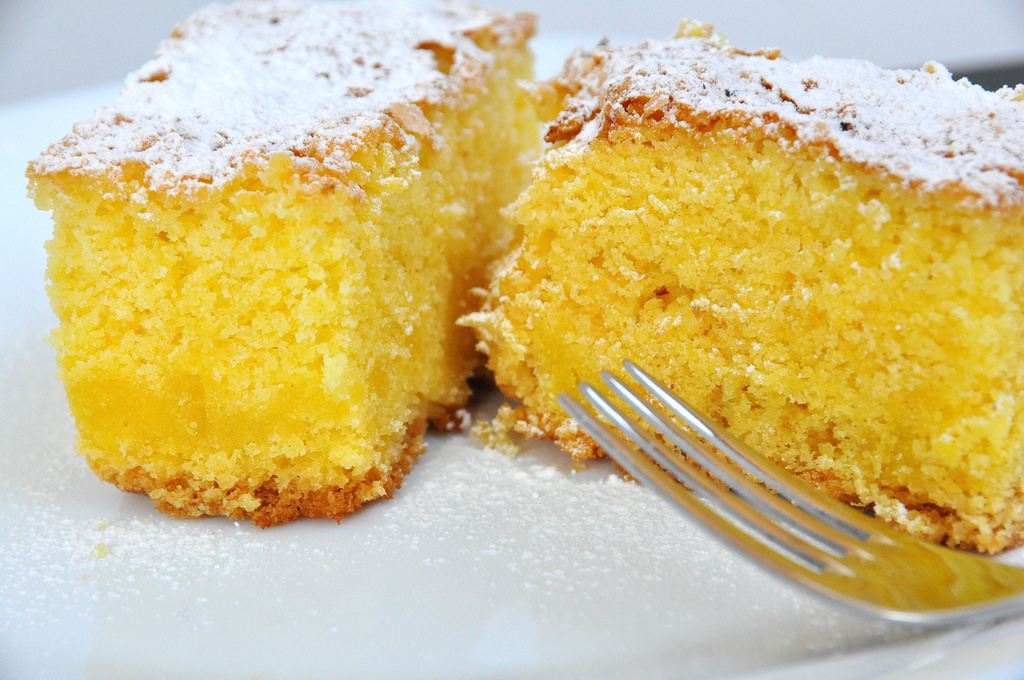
[[237, 83], [920, 126]]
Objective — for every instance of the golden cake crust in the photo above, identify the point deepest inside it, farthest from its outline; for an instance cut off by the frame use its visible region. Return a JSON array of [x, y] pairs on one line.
[[236, 84], [919, 127]]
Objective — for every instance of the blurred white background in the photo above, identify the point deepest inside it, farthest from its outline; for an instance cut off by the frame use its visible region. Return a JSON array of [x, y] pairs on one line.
[[49, 46]]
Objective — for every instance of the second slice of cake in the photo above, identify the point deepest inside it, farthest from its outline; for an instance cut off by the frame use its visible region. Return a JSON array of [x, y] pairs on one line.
[[824, 255], [262, 246]]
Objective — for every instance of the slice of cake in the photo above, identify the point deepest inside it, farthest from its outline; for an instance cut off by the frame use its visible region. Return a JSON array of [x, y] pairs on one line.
[[262, 247], [826, 256]]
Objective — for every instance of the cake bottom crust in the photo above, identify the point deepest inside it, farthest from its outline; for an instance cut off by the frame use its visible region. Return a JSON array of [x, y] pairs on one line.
[[992, 534], [185, 496]]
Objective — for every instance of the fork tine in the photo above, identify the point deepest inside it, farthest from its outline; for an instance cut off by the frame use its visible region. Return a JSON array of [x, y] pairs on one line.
[[723, 512], [796, 491], [779, 509]]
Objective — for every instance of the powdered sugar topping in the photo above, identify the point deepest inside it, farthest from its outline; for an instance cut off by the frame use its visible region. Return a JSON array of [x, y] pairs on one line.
[[237, 83], [920, 126]]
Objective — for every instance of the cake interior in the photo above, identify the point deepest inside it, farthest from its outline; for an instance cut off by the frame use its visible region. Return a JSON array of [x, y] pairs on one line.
[[273, 347], [865, 335]]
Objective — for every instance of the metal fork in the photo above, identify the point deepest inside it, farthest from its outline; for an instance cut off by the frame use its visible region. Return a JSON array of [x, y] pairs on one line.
[[788, 526]]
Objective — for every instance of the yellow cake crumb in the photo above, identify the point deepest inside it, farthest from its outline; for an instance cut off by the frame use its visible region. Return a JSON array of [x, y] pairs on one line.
[[497, 433]]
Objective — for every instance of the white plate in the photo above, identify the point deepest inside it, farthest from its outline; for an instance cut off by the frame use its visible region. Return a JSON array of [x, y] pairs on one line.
[[481, 566]]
